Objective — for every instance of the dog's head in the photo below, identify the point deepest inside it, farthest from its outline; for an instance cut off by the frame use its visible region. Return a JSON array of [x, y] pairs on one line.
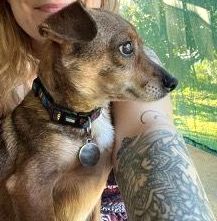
[[100, 56]]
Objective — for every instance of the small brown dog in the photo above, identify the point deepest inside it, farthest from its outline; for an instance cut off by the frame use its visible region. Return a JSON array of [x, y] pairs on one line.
[[55, 153]]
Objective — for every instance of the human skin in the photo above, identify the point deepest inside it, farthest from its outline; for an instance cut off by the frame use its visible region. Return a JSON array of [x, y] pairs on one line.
[[153, 168], [29, 13], [153, 121]]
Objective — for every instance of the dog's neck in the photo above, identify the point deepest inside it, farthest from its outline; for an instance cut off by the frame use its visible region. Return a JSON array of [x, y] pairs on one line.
[[60, 114], [53, 76], [73, 100]]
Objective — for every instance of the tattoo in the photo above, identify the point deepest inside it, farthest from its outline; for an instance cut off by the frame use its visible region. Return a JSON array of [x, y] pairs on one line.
[[159, 181], [153, 114]]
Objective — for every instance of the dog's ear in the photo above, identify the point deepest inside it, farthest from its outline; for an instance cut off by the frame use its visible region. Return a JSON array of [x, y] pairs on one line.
[[71, 23]]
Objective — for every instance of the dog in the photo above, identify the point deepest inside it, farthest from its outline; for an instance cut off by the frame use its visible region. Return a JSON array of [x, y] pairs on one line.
[[56, 146]]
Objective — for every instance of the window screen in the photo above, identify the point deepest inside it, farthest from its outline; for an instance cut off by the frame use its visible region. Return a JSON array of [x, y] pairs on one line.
[[183, 33]]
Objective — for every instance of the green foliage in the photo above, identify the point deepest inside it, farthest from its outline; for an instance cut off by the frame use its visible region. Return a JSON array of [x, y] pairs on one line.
[[206, 71]]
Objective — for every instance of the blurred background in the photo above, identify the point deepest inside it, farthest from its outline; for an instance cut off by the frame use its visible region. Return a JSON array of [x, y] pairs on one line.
[[183, 33]]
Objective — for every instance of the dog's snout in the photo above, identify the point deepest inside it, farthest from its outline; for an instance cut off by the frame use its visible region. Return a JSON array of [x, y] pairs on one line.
[[169, 82]]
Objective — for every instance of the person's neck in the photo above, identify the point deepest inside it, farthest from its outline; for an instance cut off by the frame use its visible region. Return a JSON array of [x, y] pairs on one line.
[[37, 48]]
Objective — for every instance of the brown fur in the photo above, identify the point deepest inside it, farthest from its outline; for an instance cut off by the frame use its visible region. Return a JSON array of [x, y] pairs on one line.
[[41, 177]]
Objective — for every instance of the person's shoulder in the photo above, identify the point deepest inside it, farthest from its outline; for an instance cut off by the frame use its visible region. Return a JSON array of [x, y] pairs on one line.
[[152, 55]]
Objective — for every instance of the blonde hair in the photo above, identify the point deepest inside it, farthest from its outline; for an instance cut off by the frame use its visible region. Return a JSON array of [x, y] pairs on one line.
[[17, 66], [110, 5]]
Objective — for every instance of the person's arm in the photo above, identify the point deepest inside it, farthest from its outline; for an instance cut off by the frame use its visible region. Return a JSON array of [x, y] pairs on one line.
[[154, 171]]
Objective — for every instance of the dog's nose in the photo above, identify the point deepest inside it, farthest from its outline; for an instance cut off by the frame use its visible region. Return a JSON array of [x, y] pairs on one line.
[[169, 82]]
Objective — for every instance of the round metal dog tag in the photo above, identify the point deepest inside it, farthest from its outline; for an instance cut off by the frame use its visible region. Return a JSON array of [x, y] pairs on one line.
[[89, 154]]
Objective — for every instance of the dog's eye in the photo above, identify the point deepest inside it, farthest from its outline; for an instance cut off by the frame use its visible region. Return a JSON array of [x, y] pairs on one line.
[[126, 49]]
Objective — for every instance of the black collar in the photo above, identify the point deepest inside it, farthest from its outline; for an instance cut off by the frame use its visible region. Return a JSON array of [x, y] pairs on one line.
[[60, 114]]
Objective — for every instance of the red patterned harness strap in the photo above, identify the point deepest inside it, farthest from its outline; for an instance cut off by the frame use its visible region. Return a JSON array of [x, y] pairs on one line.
[[112, 208]]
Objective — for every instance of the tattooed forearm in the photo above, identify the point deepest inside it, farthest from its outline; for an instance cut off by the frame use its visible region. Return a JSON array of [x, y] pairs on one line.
[[158, 181]]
